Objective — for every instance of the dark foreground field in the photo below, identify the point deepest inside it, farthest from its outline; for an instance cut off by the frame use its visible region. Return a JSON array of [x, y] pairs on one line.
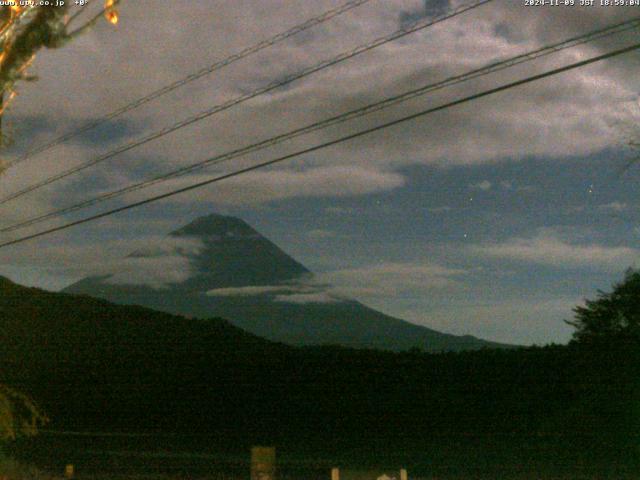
[[543, 413], [450, 458], [170, 457]]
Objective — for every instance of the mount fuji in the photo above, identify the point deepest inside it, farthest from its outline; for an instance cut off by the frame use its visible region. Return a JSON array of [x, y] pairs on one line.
[[219, 266]]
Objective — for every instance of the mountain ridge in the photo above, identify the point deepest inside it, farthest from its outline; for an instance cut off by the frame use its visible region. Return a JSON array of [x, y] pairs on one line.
[[238, 274]]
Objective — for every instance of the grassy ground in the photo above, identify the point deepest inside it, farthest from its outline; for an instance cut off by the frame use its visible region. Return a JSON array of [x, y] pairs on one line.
[[11, 469]]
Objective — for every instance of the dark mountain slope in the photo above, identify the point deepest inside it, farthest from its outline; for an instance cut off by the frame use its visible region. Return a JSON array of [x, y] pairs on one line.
[[91, 361]]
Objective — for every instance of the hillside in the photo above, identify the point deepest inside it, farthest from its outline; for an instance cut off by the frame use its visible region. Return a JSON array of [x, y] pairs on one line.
[[76, 354], [237, 274], [100, 367]]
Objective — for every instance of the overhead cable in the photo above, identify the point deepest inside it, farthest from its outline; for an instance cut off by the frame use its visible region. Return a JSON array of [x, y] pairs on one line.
[[312, 22], [338, 119], [324, 145], [243, 98]]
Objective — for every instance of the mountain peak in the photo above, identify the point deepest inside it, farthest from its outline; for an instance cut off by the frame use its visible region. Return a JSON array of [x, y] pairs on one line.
[[238, 274], [215, 224]]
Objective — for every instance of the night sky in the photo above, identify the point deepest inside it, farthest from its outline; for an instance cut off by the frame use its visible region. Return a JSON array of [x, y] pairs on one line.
[[493, 218]]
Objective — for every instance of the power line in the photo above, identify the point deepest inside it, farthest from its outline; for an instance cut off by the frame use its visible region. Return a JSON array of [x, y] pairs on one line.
[[79, 12], [321, 146], [350, 5], [359, 112], [243, 98]]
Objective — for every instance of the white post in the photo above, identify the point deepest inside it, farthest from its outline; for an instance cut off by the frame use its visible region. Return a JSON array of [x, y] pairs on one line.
[[335, 474], [403, 474]]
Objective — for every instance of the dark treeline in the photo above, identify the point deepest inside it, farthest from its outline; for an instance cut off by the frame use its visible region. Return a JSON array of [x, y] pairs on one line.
[[94, 366]]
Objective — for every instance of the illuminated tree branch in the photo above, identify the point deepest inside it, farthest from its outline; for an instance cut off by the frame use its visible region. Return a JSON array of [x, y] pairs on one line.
[[19, 415], [26, 30]]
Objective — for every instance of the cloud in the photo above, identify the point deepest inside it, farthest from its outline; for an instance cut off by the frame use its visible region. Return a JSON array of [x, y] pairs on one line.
[[158, 264], [571, 117], [249, 291], [519, 321], [171, 245], [443, 209], [484, 185], [157, 261], [269, 185], [341, 210], [390, 279], [303, 298], [307, 290], [154, 272], [320, 233], [549, 249], [575, 209], [307, 284], [430, 8], [614, 207], [370, 281]]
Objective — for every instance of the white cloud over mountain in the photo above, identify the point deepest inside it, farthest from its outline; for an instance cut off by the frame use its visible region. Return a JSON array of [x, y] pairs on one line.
[[370, 281]]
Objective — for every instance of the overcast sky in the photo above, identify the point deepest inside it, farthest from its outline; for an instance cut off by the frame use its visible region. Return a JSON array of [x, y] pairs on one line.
[[493, 218]]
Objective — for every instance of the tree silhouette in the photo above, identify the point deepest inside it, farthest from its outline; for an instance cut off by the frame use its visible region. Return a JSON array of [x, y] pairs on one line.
[[19, 415], [612, 316], [24, 30]]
